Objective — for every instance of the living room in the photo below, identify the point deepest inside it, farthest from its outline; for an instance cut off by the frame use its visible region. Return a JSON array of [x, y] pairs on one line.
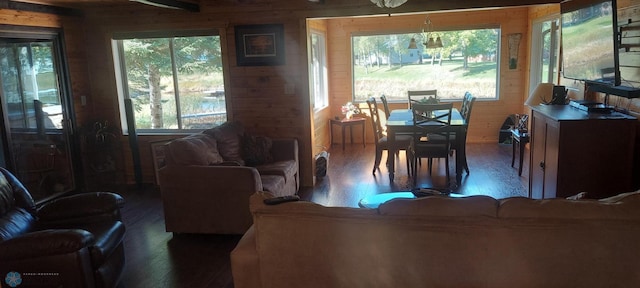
[[272, 100], [92, 72]]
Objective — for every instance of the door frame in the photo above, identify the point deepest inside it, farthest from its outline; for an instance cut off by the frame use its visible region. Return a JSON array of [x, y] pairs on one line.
[[56, 36]]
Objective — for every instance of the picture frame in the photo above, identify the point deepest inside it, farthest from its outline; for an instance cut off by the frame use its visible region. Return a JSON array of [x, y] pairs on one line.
[[260, 45]]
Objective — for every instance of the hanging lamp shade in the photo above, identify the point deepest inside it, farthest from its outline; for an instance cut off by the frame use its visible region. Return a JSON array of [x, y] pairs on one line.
[[438, 42], [430, 43], [388, 3], [413, 44]]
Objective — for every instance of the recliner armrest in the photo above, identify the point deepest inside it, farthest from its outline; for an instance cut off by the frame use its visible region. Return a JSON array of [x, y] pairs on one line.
[[45, 243], [82, 208]]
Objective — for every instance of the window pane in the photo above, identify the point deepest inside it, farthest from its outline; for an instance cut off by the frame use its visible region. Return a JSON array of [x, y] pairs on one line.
[[28, 74], [200, 81], [387, 65], [175, 83], [319, 71]]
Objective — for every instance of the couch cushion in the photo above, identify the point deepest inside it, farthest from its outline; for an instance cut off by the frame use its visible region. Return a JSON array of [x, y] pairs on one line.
[[273, 183], [441, 206], [619, 208], [287, 169], [256, 150], [228, 137], [196, 149]]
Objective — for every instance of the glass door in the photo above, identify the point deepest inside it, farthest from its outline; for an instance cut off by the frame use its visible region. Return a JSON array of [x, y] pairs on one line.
[[35, 141]]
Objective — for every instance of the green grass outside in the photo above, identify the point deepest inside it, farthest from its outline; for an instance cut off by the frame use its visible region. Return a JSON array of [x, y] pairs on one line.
[[450, 79]]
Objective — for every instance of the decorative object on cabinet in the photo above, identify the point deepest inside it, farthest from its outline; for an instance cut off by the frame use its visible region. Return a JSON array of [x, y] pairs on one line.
[[540, 95]]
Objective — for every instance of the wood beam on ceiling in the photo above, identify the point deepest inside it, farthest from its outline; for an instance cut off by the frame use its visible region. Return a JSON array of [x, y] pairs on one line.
[[39, 8]]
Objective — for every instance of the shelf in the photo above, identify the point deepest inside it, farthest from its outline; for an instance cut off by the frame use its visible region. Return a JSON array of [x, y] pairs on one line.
[[622, 91]]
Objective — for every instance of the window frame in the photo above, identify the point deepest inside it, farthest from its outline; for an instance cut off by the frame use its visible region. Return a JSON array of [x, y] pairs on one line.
[[536, 51], [324, 75], [498, 60], [121, 73]]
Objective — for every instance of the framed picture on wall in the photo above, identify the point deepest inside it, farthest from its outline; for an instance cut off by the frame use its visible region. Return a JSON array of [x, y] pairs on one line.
[[260, 45]]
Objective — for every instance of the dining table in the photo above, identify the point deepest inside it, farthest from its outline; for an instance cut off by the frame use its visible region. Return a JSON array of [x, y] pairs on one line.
[[400, 121]]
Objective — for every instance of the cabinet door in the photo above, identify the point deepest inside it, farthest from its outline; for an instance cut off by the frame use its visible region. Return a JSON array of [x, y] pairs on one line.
[[550, 163], [537, 147]]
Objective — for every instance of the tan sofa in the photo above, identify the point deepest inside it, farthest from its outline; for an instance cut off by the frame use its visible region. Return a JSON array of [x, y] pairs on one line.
[[443, 242], [207, 180]]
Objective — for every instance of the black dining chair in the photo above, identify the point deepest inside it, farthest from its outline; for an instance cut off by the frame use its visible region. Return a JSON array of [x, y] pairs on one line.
[[430, 120], [465, 111], [401, 142]]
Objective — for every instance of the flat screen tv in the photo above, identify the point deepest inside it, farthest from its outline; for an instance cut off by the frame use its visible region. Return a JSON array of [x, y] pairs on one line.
[[589, 41]]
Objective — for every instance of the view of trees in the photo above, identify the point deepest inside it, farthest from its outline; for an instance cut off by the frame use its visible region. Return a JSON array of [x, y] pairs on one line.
[[171, 73], [384, 64]]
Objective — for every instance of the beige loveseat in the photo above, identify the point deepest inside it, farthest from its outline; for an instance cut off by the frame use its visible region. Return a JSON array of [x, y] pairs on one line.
[[209, 177], [442, 242]]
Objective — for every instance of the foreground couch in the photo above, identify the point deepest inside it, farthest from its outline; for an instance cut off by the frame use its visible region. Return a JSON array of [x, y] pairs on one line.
[[209, 177], [73, 241], [435, 241]]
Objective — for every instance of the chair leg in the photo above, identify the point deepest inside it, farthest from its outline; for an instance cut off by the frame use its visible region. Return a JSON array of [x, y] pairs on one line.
[[466, 166], [446, 165], [406, 154], [376, 163], [430, 165], [414, 168]]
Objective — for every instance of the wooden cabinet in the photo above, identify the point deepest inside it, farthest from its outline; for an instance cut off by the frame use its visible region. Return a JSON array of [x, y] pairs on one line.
[[573, 151]]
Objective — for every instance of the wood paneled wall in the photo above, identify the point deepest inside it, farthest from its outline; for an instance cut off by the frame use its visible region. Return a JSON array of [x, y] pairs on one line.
[[488, 115]]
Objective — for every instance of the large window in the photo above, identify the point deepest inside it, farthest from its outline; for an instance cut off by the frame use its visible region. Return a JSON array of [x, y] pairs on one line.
[[392, 64], [175, 82], [319, 85]]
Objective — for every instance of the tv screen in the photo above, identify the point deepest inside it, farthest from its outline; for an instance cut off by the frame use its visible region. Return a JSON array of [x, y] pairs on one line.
[[589, 51]]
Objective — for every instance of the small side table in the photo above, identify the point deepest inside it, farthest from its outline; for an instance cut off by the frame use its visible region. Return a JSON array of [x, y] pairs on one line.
[[343, 123], [520, 139]]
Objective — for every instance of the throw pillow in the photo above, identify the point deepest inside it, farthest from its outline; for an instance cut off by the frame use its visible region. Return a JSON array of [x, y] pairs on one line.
[[256, 150], [228, 136], [198, 149]]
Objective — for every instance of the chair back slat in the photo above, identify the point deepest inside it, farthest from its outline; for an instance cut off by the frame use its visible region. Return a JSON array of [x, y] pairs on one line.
[[385, 105], [420, 96], [432, 119], [375, 118], [467, 104]]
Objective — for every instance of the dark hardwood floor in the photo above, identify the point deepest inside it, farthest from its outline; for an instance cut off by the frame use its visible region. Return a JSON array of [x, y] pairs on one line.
[[155, 258]]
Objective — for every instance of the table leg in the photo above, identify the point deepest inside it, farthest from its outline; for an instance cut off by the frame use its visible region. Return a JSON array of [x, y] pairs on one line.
[[344, 140], [522, 143], [351, 133], [331, 132], [363, 134], [513, 152]]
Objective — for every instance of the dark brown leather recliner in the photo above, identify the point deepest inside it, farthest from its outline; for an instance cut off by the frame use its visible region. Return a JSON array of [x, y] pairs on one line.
[[73, 241]]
